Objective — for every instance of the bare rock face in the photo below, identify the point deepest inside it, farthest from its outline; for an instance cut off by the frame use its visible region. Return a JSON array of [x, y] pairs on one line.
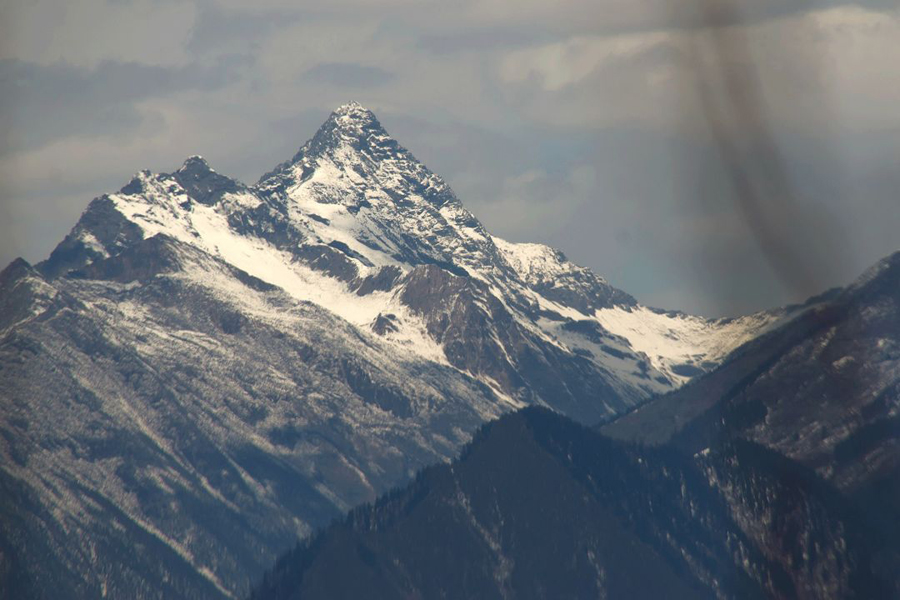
[[140, 262], [204, 185], [101, 231], [382, 280], [481, 335], [384, 324]]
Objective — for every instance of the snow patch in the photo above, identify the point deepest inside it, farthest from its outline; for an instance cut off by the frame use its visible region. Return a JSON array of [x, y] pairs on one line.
[[674, 339]]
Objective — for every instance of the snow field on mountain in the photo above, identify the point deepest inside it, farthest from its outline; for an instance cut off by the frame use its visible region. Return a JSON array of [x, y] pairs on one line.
[[672, 339]]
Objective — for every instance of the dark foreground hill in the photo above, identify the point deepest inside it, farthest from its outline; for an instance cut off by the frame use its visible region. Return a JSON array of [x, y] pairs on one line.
[[538, 506]]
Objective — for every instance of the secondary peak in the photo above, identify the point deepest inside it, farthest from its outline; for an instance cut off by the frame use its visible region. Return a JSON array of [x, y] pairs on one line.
[[352, 108], [351, 118], [195, 163], [350, 125]]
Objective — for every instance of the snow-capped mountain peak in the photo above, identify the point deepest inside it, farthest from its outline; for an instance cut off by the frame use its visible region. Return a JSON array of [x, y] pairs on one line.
[[351, 126], [353, 184], [352, 120], [286, 349], [355, 224]]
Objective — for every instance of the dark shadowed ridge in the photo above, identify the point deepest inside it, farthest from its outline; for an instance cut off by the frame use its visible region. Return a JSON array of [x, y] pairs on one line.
[[537, 505], [822, 389]]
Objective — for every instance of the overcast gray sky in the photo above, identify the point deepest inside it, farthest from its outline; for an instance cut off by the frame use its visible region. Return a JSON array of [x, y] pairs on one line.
[[583, 124]]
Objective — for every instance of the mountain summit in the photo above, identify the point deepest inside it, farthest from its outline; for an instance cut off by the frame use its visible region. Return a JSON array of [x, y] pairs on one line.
[[352, 124], [203, 370]]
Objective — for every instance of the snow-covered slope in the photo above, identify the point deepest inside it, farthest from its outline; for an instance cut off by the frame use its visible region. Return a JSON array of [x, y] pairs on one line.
[[683, 346], [678, 345], [271, 354]]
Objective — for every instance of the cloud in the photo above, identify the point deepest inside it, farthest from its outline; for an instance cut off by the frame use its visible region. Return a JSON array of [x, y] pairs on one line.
[[217, 29], [88, 32], [42, 103], [480, 40], [613, 17], [348, 75], [554, 66]]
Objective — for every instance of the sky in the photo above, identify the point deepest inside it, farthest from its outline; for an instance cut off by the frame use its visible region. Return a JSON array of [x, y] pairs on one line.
[[704, 156]]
